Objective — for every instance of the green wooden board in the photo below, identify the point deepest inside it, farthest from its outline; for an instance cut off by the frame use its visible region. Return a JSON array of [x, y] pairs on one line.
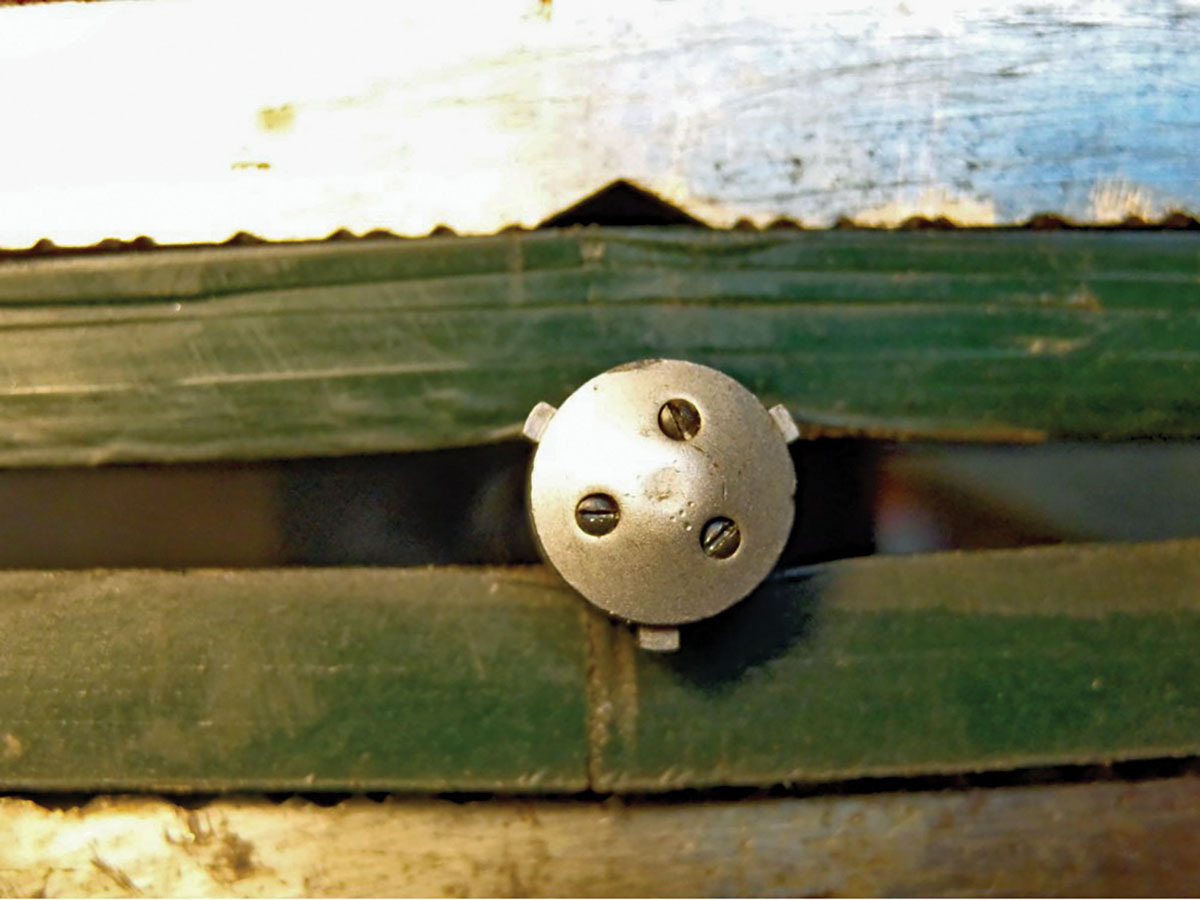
[[431, 679], [351, 347], [290, 679], [938, 663]]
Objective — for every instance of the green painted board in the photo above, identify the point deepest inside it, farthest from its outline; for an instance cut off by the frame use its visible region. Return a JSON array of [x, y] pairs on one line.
[[290, 679], [502, 680], [348, 347], [934, 663]]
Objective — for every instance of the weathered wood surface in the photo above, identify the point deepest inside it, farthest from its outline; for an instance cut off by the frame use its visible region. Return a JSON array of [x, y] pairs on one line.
[[161, 119], [502, 680], [929, 664], [335, 348], [1108, 839], [291, 679]]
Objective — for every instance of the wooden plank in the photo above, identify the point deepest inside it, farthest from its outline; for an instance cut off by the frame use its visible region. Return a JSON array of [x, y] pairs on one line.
[[491, 112], [930, 664], [426, 679], [334, 348], [290, 679], [1107, 839]]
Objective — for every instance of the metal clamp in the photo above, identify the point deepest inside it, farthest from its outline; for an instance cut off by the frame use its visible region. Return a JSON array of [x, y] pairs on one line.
[[663, 492]]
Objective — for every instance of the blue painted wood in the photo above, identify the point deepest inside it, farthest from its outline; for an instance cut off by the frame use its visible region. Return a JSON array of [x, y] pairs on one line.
[[406, 119]]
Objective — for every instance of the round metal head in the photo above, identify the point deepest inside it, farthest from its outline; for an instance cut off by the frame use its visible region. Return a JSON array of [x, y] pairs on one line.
[[662, 491]]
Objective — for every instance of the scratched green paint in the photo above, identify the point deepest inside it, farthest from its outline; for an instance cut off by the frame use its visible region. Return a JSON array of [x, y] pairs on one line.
[[929, 664], [351, 347], [290, 679], [501, 680]]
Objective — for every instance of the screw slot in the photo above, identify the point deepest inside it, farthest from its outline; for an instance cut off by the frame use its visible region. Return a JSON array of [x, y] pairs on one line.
[[720, 537], [597, 514], [679, 420]]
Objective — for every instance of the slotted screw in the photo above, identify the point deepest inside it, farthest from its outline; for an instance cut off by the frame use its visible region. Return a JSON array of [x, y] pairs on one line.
[[679, 420], [597, 514], [720, 537]]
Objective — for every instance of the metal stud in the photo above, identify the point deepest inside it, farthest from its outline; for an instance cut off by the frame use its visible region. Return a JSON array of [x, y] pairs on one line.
[[662, 491]]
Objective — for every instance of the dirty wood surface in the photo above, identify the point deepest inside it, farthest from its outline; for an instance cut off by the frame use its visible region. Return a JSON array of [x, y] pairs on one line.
[[1106, 839], [503, 680], [338, 348], [406, 119]]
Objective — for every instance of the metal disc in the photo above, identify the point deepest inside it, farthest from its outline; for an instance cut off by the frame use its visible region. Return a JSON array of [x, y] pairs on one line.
[[671, 557]]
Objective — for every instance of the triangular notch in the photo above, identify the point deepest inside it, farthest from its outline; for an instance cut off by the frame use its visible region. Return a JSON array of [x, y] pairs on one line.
[[622, 203]]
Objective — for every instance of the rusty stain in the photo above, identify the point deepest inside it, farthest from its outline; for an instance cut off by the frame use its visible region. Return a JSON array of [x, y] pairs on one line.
[[235, 860], [277, 118], [238, 856]]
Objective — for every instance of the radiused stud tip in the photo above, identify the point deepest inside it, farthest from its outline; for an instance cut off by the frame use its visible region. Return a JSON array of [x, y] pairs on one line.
[[537, 420], [657, 638]]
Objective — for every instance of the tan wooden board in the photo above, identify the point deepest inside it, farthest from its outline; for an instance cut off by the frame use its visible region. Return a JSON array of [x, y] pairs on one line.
[[1103, 839]]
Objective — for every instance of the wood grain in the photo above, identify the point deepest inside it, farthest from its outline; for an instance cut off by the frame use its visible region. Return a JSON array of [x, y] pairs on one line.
[[1108, 839], [160, 119], [339, 348], [502, 680]]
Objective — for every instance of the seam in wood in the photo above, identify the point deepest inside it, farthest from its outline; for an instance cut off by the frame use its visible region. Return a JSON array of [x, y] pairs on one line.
[[599, 705]]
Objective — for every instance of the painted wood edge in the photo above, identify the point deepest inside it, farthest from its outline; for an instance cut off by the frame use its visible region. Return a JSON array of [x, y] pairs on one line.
[[286, 351]]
